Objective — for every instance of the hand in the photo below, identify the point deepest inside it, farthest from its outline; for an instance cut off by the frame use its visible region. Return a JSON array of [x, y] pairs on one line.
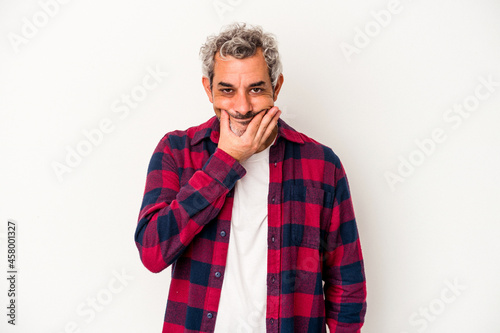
[[255, 138]]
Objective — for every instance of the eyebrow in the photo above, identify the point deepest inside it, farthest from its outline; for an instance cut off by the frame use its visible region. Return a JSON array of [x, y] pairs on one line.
[[256, 84], [229, 85]]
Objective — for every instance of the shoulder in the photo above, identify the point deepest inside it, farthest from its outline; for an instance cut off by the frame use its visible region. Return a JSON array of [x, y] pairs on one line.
[[182, 139], [308, 147]]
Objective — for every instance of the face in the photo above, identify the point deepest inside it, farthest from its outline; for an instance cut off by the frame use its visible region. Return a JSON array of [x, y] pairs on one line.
[[243, 88]]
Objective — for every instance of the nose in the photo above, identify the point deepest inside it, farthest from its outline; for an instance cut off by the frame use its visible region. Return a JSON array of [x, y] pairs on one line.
[[242, 103]]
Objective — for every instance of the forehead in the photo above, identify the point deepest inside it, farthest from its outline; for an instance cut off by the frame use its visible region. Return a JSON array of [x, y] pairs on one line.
[[247, 69]]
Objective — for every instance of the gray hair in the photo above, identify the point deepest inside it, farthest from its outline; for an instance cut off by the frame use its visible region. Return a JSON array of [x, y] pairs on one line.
[[239, 41]]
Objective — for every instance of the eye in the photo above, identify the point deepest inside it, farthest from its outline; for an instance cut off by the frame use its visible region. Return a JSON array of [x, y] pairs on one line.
[[257, 90], [226, 91]]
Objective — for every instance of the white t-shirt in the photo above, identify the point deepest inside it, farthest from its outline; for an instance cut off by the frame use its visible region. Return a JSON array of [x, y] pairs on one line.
[[242, 307]]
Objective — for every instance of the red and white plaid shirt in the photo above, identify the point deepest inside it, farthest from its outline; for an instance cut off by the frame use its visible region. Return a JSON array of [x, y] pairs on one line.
[[185, 221]]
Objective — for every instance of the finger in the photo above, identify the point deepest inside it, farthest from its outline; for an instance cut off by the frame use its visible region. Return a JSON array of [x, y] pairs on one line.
[[270, 127], [263, 121], [266, 123], [254, 124]]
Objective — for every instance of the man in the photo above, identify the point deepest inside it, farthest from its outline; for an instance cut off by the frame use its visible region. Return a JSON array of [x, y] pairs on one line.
[[254, 217]]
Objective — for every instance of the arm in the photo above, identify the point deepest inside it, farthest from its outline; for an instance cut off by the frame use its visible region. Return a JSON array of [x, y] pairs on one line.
[[171, 216], [343, 270]]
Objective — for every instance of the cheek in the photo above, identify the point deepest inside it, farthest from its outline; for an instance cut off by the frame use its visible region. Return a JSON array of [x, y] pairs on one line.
[[217, 112], [222, 103], [262, 102], [267, 99]]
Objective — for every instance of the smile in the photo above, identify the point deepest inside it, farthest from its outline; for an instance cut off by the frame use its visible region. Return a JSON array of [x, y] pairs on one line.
[[244, 120]]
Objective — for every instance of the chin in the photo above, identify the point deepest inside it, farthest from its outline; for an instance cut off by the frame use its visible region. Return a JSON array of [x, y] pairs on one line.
[[237, 130]]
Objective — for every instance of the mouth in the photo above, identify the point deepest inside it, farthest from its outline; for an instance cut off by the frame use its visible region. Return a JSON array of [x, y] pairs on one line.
[[245, 120]]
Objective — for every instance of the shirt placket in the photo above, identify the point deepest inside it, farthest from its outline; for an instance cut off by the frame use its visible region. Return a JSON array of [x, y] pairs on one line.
[[274, 237]]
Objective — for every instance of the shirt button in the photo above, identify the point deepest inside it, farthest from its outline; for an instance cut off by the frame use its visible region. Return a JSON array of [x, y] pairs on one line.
[[275, 164], [209, 315], [273, 200], [217, 274], [273, 279], [223, 233], [273, 239], [272, 321]]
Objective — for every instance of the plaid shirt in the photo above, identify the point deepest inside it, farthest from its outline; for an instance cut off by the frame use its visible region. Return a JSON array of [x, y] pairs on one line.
[[185, 221]]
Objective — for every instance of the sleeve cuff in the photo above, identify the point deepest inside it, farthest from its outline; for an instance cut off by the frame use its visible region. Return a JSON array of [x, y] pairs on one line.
[[224, 168]]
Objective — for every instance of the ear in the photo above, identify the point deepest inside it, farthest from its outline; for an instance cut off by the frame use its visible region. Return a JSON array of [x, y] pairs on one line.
[[206, 84], [278, 87]]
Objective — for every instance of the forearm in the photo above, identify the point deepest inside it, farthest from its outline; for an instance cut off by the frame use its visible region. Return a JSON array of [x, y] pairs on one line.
[[345, 289], [170, 220], [345, 298], [343, 270]]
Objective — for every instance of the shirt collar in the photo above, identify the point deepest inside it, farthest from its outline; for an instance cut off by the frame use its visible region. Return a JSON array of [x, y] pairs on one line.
[[211, 130]]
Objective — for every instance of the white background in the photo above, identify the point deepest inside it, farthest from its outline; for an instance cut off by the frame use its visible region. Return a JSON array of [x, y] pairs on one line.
[[437, 226]]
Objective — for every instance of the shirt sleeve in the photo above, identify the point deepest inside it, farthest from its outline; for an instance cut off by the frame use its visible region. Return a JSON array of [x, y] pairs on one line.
[[172, 215], [343, 269]]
